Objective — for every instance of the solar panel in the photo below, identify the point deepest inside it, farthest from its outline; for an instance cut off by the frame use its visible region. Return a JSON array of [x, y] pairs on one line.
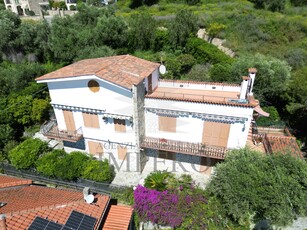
[[79, 221], [44, 224]]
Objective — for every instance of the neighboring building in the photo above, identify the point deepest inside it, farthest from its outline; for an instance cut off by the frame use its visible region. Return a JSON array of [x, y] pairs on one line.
[[23, 7], [26, 206], [113, 106]]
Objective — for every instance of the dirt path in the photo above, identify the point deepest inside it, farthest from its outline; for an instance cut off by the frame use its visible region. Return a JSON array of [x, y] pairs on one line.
[[216, 41]]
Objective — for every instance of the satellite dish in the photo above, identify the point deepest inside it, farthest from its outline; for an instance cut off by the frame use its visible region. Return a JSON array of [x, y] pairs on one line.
[[89, 199], [162, 69]]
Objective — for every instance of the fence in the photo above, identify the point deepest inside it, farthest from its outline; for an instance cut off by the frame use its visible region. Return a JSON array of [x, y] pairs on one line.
[[97, 187]]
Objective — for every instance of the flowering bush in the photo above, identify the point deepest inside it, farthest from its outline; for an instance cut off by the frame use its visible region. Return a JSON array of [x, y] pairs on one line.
[[165, 208]]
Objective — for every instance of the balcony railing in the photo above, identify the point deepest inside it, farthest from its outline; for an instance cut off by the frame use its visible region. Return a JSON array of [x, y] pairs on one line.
[[50, 130], [196, 149]]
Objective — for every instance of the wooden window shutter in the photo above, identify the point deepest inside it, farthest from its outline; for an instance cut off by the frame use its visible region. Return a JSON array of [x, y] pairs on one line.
[[119, 125], [167, 124], [122, 152], [215, 134], [69, 120], [95, 148], [91, 120]]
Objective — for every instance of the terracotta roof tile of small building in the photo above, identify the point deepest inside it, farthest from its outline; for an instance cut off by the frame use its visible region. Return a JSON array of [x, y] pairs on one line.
[[118, 218], [123, 70], [283, 144], [202, 82], [31, 197], [58, 213], [8, 181], [24, 204]]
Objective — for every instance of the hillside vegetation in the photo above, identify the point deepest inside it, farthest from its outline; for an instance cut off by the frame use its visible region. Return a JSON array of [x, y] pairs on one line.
[[161, 31]]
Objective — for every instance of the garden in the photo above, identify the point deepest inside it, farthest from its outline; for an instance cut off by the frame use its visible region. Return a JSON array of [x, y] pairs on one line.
[[34, 154], [246, 189]]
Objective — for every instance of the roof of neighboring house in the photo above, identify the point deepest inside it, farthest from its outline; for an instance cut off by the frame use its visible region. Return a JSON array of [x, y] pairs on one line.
[[283, 144], [6, 181], [23, 203], [118, 218], [123, 70]]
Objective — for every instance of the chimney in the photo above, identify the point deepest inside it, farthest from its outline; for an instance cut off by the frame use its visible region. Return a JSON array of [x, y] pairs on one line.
[[244, 86], [2, 222], [252, 74]]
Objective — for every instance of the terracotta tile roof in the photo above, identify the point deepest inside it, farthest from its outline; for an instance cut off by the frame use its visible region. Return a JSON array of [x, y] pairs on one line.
[[31, 197], [23, 204], [8, 181], [282, 144], [118, 218], [58, 213], [123, 70], [201, 82]]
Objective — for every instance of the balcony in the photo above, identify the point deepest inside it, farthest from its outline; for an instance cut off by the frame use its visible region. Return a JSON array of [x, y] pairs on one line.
[[50, 130], [195, 149]]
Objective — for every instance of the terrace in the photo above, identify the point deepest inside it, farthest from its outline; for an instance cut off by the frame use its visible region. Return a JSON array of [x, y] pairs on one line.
[[196, 149], [219, 93], [50, 130]]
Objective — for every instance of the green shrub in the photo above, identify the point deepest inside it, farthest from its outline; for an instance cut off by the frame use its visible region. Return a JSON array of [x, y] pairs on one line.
[[199, 72], [72, 7], [192, 2], [157, 180], [273, 119], [221, 72], [46, 164], [70, 166], [205, 52], [100, 171], [25, 154], [124, 195], [249, 184]]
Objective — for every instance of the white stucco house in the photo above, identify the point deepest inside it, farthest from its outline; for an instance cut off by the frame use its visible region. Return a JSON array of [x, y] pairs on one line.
[[118, 108]]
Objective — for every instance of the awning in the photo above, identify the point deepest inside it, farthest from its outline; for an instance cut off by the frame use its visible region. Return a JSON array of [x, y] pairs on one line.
[[261, 112]]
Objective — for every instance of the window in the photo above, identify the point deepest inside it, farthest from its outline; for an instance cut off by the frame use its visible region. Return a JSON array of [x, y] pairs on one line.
[[119, 125], [91, 120], [167, 124], [95, 148], [215, 133], [69, 120], [93, 86], [122, 152]]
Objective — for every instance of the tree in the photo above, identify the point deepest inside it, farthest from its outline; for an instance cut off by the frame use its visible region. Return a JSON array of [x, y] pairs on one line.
[[135, 4], [249, 184], [184, 25], [272, 5], [46, 164], [142, 31], [112, 31], [214, 29], [298, 2], [70, 166], [272, 78], [25, 154], [100, 171], [297, 106]]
